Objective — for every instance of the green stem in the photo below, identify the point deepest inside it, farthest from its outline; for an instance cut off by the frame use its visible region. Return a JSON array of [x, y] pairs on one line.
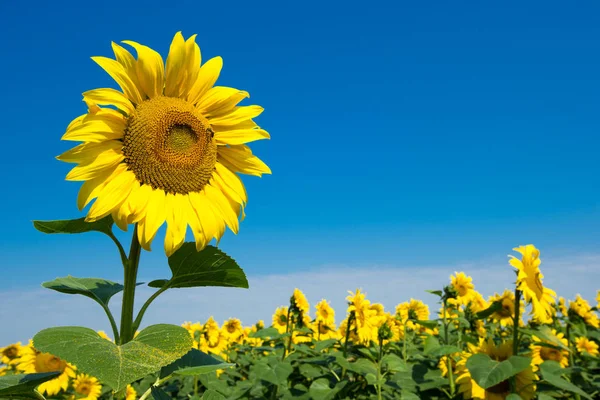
[[113, 324], [448, 359], [287, 330], [571, 351], [404, 339], [130, 276], [155, 384], [379, 369], [120, 247], [138, 320], [516, 320]]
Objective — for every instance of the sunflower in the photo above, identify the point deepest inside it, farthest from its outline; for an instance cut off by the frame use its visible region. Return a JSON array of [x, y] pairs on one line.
[[325, 313], [280, 319], [525, 379], [167, 148], [195, 330], [562, 307], [463, 286], [3, 371], [582, 308], [130, 393], [585, 345], [322, 330], [87, 386], [540, 353], [367, 318], [10, 354], [298, 301], [33, 361], [598, 299], [506, 314], [232, 329], [529, 281], [412, 310]]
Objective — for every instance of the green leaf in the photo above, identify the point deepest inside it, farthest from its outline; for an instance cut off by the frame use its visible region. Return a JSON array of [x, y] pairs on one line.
[[431, 343], [551, 373], [195, 362], [487, 372], [116, 366], [545, 333], [393, 363], [79, 225], [99, 290], [494, 307], [444, 351], [275, 372], [438, 293], [209, 267], [159, 394], [212, 395], [320, 390], [431, 324], [265, 333], [513, 396], [23, 386]]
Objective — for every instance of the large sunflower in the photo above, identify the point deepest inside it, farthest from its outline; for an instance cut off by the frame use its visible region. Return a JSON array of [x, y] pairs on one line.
[[167, 148], [33, 361]]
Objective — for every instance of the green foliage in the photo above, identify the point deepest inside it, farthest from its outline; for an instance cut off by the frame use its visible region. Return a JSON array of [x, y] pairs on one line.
[[193, 363], [99, 290], [116, 366], [23, 386], [552, 373], [79, 225], [209, 267], [487, 372]]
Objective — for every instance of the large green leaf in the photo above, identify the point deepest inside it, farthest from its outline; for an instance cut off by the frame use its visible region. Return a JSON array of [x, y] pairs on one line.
[[159, 394], [79, 225], [116, 366], [195, 362], [99, 290], [320, 390], [209, 267], [487, 372], [545, 333], [212, 395], [23, 386], [273, 371], [551, 373]]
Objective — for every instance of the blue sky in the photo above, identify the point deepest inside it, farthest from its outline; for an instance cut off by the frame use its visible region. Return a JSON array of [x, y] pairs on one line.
[[403, 133]]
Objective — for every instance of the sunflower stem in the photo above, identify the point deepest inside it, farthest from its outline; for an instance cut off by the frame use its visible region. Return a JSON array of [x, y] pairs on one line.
[[138, 319], [113, 323], [130, 278], [448, 359], [571, 351], [516, 320]]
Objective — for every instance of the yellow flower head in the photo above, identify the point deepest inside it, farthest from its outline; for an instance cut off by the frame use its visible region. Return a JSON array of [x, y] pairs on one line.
[[529, 281], [10, 354], [280, 319], [325, 314], [299, 301], [598, 299], [195, 330], [412, 310], [33, 361], [130, 393], [506, 314], [103, 335], [167, 147], [539, 353], [585, 345], [232, 329], [366, 319], [87, 386], [498, 352], [463, 286], [581, 307], [562, 306]]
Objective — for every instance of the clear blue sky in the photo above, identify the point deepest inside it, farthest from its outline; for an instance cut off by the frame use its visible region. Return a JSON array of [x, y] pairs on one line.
[[402, 132]]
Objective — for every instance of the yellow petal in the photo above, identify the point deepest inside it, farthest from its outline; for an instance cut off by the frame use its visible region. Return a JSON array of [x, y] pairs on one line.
[[237, 115], [90, 189], [107, 96], [240, 136], [103, 124], [104, 161], [195, 225], [127, 60], [212, 226], [230, 183], [111, 196], [120, 75], [176, 223], [220, 100], [150, 69], [138, 201], [175, 66], [87, 152], [221, 203], [155, 217], [240, 159], [208, 75], [192, 69]]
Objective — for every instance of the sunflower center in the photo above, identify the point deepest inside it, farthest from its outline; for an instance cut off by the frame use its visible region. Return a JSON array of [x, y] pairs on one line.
[[84, 388], [502, 387], [169, 145], [45, 362], [550, 354], [10, 352]]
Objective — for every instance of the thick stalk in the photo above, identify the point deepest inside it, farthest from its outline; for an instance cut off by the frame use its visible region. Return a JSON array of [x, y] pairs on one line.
[[448, 359], [516, 320], [379, 369], [130, 275], [571, 351], [287, 330]]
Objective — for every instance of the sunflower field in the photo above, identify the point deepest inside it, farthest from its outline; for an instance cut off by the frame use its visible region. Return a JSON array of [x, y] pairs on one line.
[[523, 343]]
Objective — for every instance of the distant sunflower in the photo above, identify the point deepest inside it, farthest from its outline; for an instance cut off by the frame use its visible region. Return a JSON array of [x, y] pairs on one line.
[[280, 319], [529, 281], [366, 318], [464, 287], [130, 393], [412, 310], [33, 361], [167, 148], [299, 301], [10, 354], [583, 309], [584, 345], [232, 329], [325, 313], [540, 353], [87, 386], [506, 314]]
